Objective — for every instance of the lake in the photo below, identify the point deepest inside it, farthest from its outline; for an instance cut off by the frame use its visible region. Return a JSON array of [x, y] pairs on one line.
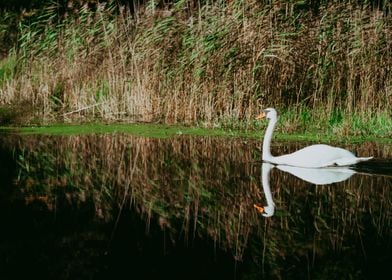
[[108, 205]]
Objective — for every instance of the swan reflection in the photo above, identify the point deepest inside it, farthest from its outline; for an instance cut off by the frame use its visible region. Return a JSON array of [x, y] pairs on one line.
[[317, 176], [269, 210]]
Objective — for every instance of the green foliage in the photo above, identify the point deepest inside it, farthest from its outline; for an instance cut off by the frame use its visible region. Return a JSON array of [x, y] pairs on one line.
[[102, 92], [336, 117], [8, 68]]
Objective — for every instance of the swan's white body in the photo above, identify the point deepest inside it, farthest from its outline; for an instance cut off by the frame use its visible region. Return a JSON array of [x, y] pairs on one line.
[[315, 156]]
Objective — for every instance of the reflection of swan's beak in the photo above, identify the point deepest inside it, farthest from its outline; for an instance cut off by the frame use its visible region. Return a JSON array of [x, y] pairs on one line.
[[261, 116], [267, 211], [259, 208]]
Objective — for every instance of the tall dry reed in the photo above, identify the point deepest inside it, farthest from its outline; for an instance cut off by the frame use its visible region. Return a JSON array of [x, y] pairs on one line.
[[208, 64]]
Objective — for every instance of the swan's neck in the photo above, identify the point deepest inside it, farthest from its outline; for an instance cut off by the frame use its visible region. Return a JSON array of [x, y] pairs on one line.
[[267, 140]]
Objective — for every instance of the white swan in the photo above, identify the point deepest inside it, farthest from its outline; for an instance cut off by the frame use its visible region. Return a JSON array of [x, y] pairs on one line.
[[314, 156]]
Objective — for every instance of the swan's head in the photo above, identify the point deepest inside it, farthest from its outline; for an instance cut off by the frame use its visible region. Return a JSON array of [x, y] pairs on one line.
[[266, 211], [269, 113]]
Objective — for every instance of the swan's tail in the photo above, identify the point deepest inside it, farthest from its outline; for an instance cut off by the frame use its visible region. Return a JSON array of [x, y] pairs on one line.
[[363, 159]]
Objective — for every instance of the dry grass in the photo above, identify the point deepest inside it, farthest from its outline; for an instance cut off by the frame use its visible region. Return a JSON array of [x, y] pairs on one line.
[[204, 64]]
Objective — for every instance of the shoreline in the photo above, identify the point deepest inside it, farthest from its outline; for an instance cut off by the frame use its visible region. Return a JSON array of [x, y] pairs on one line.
[[154, 130]]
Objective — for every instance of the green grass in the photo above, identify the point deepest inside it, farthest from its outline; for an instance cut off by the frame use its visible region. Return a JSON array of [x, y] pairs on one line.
[[7, 69], [145, 130], [166, 131]]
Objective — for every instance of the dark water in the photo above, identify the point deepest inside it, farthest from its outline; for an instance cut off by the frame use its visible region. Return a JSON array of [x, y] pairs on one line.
[[117, 206]]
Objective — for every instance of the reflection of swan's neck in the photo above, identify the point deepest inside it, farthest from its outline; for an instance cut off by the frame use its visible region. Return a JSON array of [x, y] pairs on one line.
[[265, 177], [269, 210], [267, 140]]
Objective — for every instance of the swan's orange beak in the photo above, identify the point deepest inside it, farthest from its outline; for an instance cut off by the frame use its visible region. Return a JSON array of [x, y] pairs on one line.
[[259, 208], [261, 116]]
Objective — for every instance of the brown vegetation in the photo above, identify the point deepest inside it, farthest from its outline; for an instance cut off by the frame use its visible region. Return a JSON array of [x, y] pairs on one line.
[[206, 64]]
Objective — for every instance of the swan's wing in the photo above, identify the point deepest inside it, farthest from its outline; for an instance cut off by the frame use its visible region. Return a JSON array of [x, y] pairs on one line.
[[317, 156]]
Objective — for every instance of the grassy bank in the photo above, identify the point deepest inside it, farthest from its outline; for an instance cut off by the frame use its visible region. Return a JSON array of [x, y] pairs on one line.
[[164, 131], [209, 65]]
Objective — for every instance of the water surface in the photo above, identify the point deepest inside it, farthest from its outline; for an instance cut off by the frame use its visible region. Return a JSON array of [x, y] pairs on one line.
[[100, 206]]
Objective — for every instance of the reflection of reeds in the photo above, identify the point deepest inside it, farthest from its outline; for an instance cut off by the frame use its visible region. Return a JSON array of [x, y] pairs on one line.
[[318, 220], [205, 186]]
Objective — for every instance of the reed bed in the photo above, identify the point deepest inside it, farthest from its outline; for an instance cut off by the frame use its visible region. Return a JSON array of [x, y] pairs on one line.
[[212, 64]]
